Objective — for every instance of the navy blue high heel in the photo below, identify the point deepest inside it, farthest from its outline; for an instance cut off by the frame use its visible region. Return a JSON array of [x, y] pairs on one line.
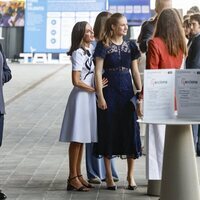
[[132, 187], [114, 187]]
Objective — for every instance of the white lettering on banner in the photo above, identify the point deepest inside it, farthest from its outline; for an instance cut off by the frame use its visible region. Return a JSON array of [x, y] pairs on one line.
[[45, 58], [40, 58], [26, 56]]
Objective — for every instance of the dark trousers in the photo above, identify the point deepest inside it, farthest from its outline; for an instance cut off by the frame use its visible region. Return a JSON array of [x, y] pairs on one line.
[[198, 141], [1, 127], [196, 135]]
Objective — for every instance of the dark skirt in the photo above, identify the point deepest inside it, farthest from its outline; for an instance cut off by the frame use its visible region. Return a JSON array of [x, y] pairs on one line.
[[118, 129]]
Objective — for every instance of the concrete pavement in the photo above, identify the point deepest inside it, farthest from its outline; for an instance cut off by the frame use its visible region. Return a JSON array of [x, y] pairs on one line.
[[33, 164]]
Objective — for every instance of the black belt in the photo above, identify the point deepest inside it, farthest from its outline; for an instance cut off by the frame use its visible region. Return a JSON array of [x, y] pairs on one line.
[[117, 69]]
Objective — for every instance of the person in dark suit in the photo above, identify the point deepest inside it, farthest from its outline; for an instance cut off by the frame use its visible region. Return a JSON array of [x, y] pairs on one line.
[[5, 76], [193, 62], [146, 33], [193, 59], [148, 26]]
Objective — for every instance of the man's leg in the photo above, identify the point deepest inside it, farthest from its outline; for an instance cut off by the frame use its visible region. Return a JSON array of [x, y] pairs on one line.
[[195, 136], [2, 195], [198, 141], [1, 127]]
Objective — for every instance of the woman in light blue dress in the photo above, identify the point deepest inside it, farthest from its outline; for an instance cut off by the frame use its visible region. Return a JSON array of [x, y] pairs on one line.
[[80, 121]]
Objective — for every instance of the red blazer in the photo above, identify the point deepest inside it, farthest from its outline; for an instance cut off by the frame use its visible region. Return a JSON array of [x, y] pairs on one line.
[[159, 58]]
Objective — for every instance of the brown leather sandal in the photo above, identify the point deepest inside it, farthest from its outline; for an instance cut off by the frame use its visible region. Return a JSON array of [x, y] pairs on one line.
[[85, 183], [70, 187]]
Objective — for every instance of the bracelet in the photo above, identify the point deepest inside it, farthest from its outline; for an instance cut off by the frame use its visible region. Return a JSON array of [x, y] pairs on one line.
[[139, 95]]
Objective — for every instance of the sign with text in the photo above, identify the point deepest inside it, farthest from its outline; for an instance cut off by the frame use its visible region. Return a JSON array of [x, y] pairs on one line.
[[49, 23], [165, 90], [159, 91], [188, 93]]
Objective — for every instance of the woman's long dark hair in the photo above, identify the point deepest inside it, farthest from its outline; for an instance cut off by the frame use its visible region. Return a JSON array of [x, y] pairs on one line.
[[77, 35], [99, 24], [169, 29]]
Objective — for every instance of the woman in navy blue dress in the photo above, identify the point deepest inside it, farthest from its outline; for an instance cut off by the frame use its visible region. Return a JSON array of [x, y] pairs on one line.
[[95, 167], [118, 130]]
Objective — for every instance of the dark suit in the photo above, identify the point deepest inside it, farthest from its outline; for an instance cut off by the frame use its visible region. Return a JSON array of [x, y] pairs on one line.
[[193, 62], [193, 58], [146, 33], [5, 76]]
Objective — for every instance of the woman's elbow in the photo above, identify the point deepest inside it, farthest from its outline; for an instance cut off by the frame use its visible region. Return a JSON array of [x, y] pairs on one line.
[[75, 83]]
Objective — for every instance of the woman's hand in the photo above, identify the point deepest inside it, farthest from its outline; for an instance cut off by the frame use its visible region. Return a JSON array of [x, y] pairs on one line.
[[102, 103], [104, 82], [139, 108]]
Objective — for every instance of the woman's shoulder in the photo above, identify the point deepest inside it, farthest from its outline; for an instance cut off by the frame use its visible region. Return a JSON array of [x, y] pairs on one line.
[[156, 40], [131, 47], [78, 54], [130, 42], [78, 51], [156, 43], [100, 44], [100, 50]]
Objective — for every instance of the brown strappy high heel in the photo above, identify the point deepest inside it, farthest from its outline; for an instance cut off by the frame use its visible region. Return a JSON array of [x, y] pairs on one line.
[[70, 187], [85, 183]]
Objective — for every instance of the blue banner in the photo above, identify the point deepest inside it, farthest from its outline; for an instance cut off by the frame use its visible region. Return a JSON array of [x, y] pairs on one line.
[[48, 23], [136, 11]]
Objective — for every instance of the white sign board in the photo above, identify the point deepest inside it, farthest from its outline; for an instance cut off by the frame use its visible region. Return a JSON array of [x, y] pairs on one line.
[[169, 89], [188, 93], [159, 94]]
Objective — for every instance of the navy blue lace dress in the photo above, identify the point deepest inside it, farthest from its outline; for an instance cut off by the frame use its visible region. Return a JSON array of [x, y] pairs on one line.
[[118, 130]]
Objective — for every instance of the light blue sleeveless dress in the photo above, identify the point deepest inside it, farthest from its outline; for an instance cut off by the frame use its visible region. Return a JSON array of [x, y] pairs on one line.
[[80, 118]]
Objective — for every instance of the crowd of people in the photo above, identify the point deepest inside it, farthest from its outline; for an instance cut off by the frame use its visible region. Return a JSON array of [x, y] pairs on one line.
[[12, 13], [169, 41], [103, 106], [111, 126], [104, 97]]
